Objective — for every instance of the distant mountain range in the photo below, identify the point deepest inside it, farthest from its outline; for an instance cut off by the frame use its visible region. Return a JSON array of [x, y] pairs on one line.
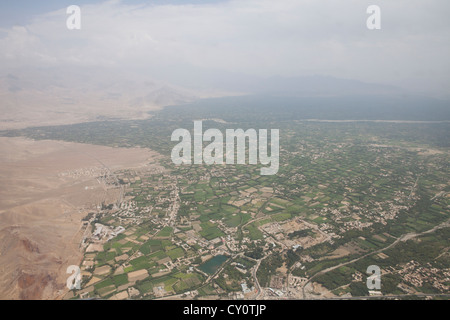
[[54, 96]]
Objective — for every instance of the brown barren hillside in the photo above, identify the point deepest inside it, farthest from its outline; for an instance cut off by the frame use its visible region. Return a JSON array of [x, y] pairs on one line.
[[46, 188]]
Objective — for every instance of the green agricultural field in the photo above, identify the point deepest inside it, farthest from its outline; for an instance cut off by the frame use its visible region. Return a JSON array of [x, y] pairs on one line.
[[141, 263], [165, 232], [120, 279], [212, 233], [175, 253], [253, 232]]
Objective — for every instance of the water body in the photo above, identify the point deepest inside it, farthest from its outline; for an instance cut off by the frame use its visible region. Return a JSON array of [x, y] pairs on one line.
[[215, 120], [212, 265]]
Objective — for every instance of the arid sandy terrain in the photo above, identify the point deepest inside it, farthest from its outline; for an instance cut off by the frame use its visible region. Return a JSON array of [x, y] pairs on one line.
[[46, 188], [54, 96]]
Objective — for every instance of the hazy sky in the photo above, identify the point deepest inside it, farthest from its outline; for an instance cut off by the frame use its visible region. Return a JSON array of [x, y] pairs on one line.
[[188, 39]]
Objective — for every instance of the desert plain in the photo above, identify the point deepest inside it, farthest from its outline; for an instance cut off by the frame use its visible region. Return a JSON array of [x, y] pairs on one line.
[[46, 189]]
